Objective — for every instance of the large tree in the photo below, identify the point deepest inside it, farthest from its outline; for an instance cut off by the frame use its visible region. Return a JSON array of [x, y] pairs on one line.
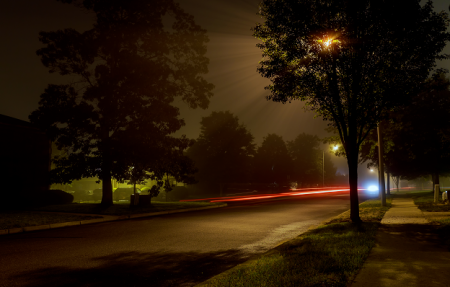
[[351, 61], [417, 141], [272, 162], [308, 159], [124, 74], [223, 151]]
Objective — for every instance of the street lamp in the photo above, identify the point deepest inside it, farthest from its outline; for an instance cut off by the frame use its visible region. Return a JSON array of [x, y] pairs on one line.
[[335, 148], [323, 169]]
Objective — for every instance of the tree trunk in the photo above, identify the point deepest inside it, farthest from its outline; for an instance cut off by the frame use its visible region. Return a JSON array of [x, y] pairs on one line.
[[107, 198], [388, 189], [381, 166], [435, 178], [107, 195], [353, 182], [436, 175], [352, 161]]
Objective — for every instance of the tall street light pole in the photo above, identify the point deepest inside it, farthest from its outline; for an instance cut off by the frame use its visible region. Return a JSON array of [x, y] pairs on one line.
[[323, 168], [323, 165], [381, 166]]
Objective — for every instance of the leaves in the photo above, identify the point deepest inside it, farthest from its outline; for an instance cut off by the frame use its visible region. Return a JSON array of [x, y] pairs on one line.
[[126, 71], [375, 66], [272, 162], [223, 150]]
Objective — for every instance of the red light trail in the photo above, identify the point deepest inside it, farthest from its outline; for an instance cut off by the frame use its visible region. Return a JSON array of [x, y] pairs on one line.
[[295, 192]]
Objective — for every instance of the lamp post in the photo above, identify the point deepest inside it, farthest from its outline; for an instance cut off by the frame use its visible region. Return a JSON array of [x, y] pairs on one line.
[[323, 164], [323, 168]]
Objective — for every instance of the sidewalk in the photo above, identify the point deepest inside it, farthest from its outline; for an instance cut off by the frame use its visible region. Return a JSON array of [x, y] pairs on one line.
[[408, 251]]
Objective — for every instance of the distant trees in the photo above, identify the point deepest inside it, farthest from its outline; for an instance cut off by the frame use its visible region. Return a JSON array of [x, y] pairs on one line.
[[223, 151], [307, 158], [272, 162], [417, 138], [117, 112], [351, 61]]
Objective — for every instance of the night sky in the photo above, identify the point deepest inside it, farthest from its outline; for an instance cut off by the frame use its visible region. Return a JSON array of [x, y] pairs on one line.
[[231, 50]]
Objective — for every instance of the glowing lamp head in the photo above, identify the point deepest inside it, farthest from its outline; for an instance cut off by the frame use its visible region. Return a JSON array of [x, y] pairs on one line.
[[372, 188], [335, 147]]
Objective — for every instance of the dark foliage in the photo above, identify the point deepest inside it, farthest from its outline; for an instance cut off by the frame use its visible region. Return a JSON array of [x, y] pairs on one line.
[[50, 197], [223, 151], [272, 162], [351, 61], [126, 72], [417, 141]]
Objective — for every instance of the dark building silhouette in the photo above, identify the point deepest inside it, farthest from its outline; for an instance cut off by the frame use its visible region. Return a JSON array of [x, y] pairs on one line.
[[24, 159]]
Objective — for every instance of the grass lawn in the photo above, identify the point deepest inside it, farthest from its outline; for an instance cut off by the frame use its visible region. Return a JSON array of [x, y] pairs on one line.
[[122, 208], [425, 202], [13, 219], [330, 255]]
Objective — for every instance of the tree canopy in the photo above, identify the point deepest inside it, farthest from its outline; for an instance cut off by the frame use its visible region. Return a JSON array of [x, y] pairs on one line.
[[223, 151], [307, 159], [351, 61], [417, 136], [272, 162], [124, 73]]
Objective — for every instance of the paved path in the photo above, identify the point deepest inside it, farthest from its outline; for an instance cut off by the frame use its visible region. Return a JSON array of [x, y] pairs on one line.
[[404, 211], [408, 252]]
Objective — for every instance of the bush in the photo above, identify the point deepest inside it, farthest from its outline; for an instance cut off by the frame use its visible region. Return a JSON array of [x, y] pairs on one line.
[[82, 195], [32, 198], [52, 197], [177, 193], [124, 193], [97, 194]]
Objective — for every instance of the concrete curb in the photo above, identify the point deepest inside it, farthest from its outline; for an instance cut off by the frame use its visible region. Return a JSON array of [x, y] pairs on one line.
[[38, 227], [105, 218]]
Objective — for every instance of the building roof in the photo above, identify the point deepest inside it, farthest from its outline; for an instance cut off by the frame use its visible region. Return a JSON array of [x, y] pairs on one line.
[[6, 120]]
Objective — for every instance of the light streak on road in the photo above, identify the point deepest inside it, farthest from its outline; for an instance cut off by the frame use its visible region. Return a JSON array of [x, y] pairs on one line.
[[294, 192]]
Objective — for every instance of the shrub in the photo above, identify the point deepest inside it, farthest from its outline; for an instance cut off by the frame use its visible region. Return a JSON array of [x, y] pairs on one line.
[[82, 195], [53, 197]]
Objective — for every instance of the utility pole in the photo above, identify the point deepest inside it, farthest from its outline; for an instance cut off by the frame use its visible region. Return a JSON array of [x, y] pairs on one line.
[[323, 168], [388, 185], [381, 166]]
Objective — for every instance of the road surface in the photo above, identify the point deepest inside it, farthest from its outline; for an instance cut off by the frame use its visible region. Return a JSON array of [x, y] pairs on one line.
[[171, 250]]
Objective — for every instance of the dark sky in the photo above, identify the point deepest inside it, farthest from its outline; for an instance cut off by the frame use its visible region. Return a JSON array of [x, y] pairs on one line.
[[231, 50]]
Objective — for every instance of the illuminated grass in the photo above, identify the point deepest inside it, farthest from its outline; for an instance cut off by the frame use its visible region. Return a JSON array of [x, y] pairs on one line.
[[24, 218], [330, 255], [369, 211], [425, 202], [408, 192], [122, 208]]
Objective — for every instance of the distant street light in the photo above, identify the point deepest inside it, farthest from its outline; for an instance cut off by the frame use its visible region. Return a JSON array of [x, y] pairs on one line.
[[323, 169], [323, 165]]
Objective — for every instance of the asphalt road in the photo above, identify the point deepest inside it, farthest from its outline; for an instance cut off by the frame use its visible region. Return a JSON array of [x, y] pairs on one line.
[[172, 250]]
